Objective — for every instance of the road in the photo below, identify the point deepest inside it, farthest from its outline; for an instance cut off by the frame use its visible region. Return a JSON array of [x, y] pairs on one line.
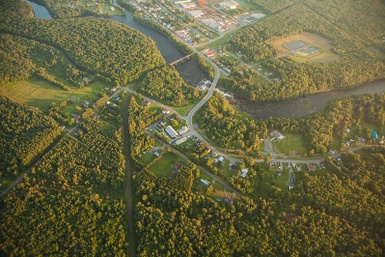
[[129, 191], [25, 172], [185, 158]]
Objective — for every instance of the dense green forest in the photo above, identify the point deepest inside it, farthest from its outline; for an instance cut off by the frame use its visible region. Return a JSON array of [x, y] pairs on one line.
[[225, 126], [71, 203], [350, 39], [21, 58], [25, 132], [116, 52], [166, 85]]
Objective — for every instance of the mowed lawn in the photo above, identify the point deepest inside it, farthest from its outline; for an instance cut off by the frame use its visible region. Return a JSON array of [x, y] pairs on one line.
[[292, 142], [40, 93], [163, 167]]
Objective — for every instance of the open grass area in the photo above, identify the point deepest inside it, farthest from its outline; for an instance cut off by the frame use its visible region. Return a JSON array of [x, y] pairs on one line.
[[270, 178], [183, 110], [89, 92], [163, 167], [146, 158], [40, 93], [5, 181], [292, 142], [224, 169], [324, 45], [35, 92], [336, 143]]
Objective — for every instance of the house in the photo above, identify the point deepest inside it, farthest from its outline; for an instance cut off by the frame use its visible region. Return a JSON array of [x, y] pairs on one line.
[[276, 134], [244, 172], [210, 54], [311, 167], [177, 166], [219, 159], [165, 111], [205, 182], [146, 103], [171, 132], [183, 130]]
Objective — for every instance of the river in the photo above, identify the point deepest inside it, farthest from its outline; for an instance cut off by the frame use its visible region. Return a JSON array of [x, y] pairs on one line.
[[191, 72], [305, 105], [40, 11]]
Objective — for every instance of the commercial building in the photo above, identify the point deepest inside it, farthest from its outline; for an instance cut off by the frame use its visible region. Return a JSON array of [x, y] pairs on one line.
[[171, 132]]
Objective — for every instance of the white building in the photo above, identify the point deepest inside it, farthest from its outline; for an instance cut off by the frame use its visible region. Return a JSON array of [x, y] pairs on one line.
[[230, 5], [195, 14], [244, 172], [180, 141], [171, 132], [188, 5], [257, 16]]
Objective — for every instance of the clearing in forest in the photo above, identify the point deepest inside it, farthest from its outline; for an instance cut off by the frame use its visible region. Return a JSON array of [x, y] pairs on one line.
[[306, 47]]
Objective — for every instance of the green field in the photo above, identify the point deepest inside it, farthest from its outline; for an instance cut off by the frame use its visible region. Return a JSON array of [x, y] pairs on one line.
[[292, 142], [40, 93], [163, 167], [183, 110], [146, 158]]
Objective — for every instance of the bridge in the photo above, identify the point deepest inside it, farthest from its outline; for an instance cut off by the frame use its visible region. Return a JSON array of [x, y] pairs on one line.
[[181, 59]]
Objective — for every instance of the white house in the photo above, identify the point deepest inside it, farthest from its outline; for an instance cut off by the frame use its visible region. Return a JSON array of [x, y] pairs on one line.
[[244, 172]]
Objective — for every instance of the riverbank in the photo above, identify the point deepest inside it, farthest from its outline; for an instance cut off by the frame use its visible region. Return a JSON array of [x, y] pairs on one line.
[[305, 105]]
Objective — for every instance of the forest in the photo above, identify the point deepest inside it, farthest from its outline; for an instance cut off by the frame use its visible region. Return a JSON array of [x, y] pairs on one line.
[[25, 133], [166, 85], [112, 50], [356, 65], [226, 127], [308, 221], [72, 202]]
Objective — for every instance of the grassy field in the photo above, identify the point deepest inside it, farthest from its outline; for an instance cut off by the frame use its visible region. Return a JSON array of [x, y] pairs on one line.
[[40, 93], [146, 158], [292, 142], [184, 109], [163, 167], [35, 92], [312, 39]]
